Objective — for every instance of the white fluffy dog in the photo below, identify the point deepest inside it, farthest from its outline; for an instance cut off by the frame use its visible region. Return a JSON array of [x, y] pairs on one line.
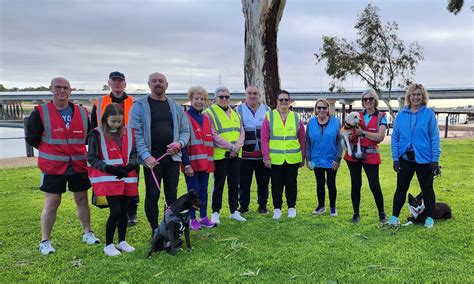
[[352, 120]]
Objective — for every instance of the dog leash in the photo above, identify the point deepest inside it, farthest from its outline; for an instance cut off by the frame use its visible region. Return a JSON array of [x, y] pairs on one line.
[[156, 180]]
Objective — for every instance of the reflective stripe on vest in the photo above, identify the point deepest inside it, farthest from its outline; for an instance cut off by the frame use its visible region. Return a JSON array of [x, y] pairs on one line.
[[284, 144], [99, 179], [103, 147], [227, 128], [47, 138]]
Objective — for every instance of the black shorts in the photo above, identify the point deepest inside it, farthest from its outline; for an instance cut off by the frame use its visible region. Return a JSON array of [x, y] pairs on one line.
[[57, 183]]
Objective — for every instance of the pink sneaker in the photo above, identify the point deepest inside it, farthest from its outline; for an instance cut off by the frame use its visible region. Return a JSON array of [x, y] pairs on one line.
[[207, 223], [195, 226]]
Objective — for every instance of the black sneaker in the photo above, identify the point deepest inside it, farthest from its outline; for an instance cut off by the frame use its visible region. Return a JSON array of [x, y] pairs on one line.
[[355, 218], [243, 210], [382, 218], [132, 220], [262, 210]]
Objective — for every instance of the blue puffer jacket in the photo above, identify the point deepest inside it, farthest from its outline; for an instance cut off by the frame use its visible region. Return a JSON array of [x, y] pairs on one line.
[[419, 131]]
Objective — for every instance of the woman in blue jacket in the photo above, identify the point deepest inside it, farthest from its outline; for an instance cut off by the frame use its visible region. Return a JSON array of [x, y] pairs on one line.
[[415, 149], [323, 153]]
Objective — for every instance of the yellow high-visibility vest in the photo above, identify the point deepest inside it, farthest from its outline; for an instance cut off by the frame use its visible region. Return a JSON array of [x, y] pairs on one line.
[[284, 144], [227, 128]]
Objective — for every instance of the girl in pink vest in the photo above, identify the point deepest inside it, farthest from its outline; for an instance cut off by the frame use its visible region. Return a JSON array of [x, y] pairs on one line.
[[112, 160]]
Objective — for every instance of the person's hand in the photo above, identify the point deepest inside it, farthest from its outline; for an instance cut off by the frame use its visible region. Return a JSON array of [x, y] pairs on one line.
[[396, 166], [130, 167], [237, 147], [233, 154], [188, 171], [302, 165], [358, 131], [151, 162], [119, 172], [335, 166], [173, 148], [434, 166], [309, 165], [267, 163]]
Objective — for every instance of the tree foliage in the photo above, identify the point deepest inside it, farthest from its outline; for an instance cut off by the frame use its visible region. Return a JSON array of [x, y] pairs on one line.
[[455, 6], [378, 57], [105, 88]]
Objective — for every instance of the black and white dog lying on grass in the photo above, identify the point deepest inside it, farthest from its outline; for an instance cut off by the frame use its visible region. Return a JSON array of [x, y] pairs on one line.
[[174, 224], [416, 205]]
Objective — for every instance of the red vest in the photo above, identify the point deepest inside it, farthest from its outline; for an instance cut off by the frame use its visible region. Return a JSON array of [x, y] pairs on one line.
[[104, 101], [201, 147], [372, 155], [59, 144], [105, 184]]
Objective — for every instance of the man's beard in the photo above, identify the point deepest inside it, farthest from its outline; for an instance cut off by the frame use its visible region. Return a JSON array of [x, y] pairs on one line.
[[158, 91]]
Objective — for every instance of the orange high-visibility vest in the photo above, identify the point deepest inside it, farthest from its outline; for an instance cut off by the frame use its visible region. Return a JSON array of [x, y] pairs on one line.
[[104, 101]]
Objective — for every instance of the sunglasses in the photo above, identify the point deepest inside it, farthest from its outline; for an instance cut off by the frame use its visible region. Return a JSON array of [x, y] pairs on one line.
[[284, 100], [369, 99], [322, 107], [224, 97]]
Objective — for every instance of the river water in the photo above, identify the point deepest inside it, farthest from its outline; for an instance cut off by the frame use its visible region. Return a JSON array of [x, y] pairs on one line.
[[10, 148]]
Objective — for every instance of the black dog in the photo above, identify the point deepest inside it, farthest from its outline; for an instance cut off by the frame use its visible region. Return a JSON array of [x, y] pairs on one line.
[[416, 205], [175, 222]]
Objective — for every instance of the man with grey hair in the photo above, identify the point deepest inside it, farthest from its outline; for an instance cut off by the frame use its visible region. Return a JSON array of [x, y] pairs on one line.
[[161, 128], [58, 130], [228, 135]]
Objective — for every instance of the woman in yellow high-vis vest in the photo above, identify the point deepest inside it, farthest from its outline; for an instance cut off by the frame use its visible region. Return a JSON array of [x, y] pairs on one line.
[[283, 137], [228, 136]]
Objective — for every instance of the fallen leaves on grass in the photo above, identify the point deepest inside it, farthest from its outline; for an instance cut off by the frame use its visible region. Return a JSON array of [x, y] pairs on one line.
[[362, 236], [76, 262], [158, 274], [250, 273]]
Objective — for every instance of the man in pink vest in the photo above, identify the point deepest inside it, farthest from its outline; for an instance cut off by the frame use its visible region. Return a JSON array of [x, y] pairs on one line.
[[58, 130]]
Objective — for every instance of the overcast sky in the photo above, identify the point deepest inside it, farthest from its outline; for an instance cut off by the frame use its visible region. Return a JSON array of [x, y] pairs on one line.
[[196, 42]]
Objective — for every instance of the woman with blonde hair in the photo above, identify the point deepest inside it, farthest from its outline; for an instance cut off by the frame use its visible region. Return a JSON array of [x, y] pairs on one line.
[[323, 152], [415, 149]]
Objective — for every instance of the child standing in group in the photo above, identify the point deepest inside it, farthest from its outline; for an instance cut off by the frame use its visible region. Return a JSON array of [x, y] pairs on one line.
[[112, 161]]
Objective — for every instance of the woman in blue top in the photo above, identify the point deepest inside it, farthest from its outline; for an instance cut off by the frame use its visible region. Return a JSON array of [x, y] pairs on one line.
[[415, 149], [323, 153]]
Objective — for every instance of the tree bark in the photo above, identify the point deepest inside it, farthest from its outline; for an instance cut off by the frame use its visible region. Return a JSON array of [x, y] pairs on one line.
[[262, 18]]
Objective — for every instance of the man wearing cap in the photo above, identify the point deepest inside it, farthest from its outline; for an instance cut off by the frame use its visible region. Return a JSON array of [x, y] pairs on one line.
[[58, 130], [161, 127], [117, 84]]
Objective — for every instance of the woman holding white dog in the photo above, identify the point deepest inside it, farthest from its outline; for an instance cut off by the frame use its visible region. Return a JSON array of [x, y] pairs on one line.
[[323, 152], [415, 149], [371, 132]]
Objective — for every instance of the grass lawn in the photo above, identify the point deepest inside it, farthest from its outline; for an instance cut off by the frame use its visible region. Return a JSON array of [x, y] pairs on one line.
[[305, 249]]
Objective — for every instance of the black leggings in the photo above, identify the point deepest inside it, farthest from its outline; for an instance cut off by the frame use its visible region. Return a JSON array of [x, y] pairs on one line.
[[372, 173], [425, 179], [321, 174], [118, 206]]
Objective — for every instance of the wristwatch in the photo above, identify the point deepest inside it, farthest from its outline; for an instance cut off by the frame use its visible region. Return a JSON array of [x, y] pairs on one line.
[[187, 166], [363, 133]]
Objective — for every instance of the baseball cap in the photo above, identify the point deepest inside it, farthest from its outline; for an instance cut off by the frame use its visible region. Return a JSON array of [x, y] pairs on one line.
[[116, 74]]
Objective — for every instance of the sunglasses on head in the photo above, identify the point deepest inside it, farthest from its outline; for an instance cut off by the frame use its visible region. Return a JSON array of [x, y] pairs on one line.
[[322, 107], [284, 100], [369, 99], [224, 97]]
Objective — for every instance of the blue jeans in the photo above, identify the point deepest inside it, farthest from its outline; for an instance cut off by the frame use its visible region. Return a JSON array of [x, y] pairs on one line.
[[199, 182]]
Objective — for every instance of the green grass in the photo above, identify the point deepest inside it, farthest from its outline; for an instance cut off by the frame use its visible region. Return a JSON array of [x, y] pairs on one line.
[[305, 249]]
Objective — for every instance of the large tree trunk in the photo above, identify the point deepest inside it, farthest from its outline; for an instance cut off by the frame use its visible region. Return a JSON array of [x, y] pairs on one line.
[[262, 18]]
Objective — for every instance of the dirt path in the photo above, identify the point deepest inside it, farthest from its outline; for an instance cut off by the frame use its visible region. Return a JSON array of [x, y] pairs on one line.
[[19, 162]]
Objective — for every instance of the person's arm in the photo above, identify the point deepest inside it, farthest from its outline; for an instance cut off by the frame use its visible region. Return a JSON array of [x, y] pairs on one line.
[[136, 122], [34, 129], [93, 140], [307, 146], [339, 149], [301, 136], [184, 127], [94, 122], [219, 142], [241, 140], [184, 156], [265, 139], [434, 131], [395, 138]]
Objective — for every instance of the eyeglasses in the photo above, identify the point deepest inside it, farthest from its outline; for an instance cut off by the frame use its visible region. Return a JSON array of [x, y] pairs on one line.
[[60, 88], [284, 100], [322, 107], [224, 97], [416, 94], [369, 99]]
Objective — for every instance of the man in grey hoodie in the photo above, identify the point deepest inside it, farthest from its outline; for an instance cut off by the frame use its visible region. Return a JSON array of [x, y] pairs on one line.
[[161, 127]]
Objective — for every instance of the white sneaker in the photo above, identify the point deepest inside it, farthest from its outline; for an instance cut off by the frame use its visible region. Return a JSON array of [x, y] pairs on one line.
[[124, 246], [111, 250], [46, 247], [291, 212], [236, 216], [90, 239], [276, 214], [215, 218]]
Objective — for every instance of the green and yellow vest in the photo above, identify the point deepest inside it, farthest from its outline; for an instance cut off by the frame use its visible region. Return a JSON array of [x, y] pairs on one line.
[[284, 144]]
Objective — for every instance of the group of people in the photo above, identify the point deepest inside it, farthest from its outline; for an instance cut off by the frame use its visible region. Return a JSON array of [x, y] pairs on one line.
[[233, 145]]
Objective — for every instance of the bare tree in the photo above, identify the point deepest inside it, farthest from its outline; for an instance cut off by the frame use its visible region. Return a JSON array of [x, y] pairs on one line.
[[378, 57], [262, 18]]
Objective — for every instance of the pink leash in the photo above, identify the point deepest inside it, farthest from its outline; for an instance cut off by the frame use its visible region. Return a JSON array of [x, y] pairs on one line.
[[156, 180]]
